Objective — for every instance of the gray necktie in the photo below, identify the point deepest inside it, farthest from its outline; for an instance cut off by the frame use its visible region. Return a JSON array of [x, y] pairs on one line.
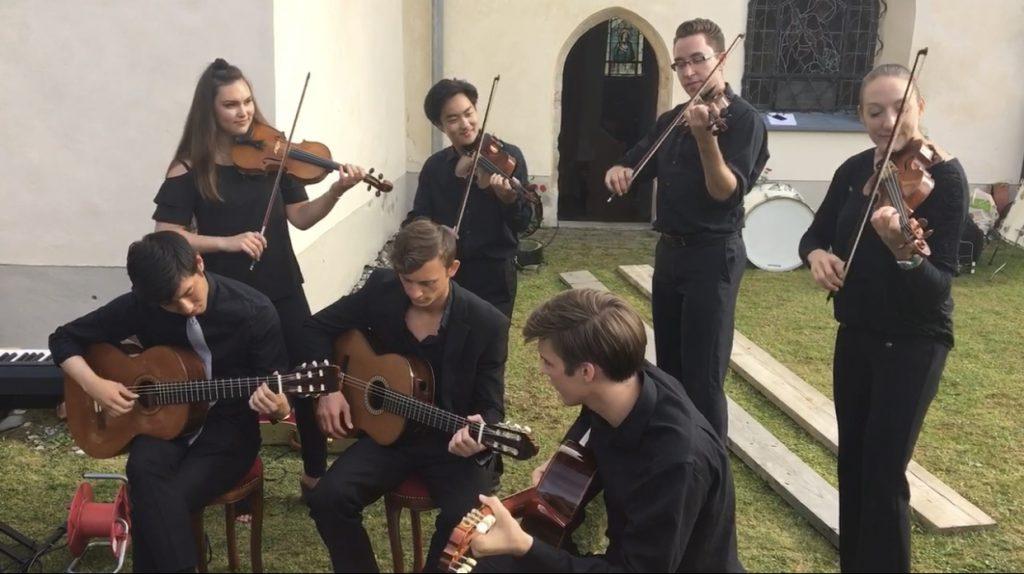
[[198, 342]]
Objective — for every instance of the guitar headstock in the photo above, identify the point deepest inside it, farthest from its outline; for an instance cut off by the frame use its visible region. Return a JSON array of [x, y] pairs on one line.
[[511, 440], [457, 555], [311, 379]]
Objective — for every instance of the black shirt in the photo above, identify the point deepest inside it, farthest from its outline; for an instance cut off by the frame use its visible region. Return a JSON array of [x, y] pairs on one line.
[[245, 202], [431, 347], [240, 326], [667, 488], [878, 295], [684, 206], [489, 226]]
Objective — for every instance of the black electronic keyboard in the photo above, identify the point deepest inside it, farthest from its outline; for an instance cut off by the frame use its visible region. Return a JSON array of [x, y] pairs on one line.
[[29, 379]]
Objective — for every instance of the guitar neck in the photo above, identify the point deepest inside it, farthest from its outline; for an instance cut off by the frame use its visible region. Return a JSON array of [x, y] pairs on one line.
[[429, 415], [181, 392]]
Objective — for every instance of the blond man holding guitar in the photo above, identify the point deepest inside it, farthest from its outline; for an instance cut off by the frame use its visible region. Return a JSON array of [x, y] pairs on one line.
[[459, 342]]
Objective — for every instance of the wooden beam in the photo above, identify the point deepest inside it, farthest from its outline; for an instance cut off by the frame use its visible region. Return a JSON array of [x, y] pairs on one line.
[[789, 476], [939, 507]]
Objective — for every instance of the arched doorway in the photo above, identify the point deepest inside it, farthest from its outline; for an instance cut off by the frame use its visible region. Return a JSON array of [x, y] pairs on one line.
[[609, 100]]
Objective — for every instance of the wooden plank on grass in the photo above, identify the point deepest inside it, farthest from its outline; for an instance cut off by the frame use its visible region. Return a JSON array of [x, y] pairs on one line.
[[938, 506], [813, 497]]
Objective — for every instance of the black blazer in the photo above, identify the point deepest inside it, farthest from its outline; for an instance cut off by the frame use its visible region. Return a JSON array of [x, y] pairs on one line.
[[475, 344]]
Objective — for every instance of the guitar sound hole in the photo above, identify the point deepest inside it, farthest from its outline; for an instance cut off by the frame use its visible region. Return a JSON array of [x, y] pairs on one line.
[[145, 400], [375, 395]]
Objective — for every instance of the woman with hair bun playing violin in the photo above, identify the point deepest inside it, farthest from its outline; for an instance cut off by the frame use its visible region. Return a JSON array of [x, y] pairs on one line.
[[894, 309], [220, 210]]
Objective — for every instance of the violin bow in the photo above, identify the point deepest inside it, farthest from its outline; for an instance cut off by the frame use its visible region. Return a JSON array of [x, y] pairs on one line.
[[476, 158], [678, 119], [921, 54], [280, 169]]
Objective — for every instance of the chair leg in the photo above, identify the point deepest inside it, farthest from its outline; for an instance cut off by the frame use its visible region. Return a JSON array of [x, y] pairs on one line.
[[200, 536], [417, 541], [393, 512], [256, 532], [232, 538]]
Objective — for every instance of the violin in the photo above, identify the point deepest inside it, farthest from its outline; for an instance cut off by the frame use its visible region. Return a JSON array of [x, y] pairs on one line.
[[712, 95], [907, 183], [261, 151], [495, 160]]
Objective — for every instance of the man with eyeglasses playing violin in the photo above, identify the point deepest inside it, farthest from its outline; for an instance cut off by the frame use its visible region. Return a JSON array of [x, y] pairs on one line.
[[495, 212], [702, 178]]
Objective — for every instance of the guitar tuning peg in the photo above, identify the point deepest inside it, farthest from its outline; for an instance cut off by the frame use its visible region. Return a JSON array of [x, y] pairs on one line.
[[314, 363], [371, 170], [377, 193]]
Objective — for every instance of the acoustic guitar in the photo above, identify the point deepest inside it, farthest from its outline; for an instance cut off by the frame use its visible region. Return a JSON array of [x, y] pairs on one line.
[[386, 391], [548, 511], [174, 395]]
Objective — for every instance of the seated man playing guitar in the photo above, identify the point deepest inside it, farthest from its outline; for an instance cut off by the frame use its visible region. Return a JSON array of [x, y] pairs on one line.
[[665, 474], [415, 309], [235, 331]]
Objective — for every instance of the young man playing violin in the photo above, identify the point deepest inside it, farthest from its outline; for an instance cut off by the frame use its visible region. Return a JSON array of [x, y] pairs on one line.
[[665, 475], [235, 331], [702, 178], [495, 212], [414, 309]]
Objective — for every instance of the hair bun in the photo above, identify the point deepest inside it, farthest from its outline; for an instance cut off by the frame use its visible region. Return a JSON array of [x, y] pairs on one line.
[[220, 64]]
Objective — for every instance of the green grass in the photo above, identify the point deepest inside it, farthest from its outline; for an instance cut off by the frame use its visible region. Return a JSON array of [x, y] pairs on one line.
[[971, 439]]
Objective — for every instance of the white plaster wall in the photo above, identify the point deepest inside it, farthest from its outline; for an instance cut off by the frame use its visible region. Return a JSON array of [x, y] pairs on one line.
[[355, 104], [972, 83], [417, 31], [93, 98]]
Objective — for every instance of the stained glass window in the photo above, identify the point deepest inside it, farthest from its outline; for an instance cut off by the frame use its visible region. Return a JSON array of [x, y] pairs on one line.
[[809, 55], [624, 56]]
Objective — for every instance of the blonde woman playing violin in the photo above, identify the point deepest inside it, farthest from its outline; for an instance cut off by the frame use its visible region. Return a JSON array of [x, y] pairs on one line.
[[894, 310]]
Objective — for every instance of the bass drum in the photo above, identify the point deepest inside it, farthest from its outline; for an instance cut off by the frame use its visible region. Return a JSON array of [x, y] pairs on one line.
[[776, 218]]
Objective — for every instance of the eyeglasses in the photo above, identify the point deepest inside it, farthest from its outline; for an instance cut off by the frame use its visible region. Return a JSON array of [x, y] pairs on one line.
[[694, 61]]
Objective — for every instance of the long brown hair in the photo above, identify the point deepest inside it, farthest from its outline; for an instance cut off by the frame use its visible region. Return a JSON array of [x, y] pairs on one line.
[[199, 140]]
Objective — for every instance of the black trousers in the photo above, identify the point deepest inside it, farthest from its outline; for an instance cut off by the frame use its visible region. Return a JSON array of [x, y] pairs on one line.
[[366, 471], [883, 385], [293, 311], [493, 280], [693, 301], [169, 480]]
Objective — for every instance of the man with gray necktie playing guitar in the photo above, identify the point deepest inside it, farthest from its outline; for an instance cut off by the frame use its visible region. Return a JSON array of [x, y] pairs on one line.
[[234, 331]]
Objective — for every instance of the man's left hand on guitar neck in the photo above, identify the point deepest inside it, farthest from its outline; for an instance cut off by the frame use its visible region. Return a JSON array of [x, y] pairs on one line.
[[463, 444], [267, 402]]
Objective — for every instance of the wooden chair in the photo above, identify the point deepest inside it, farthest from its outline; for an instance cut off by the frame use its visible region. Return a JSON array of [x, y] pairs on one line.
[[411, 494], [249, 488]]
